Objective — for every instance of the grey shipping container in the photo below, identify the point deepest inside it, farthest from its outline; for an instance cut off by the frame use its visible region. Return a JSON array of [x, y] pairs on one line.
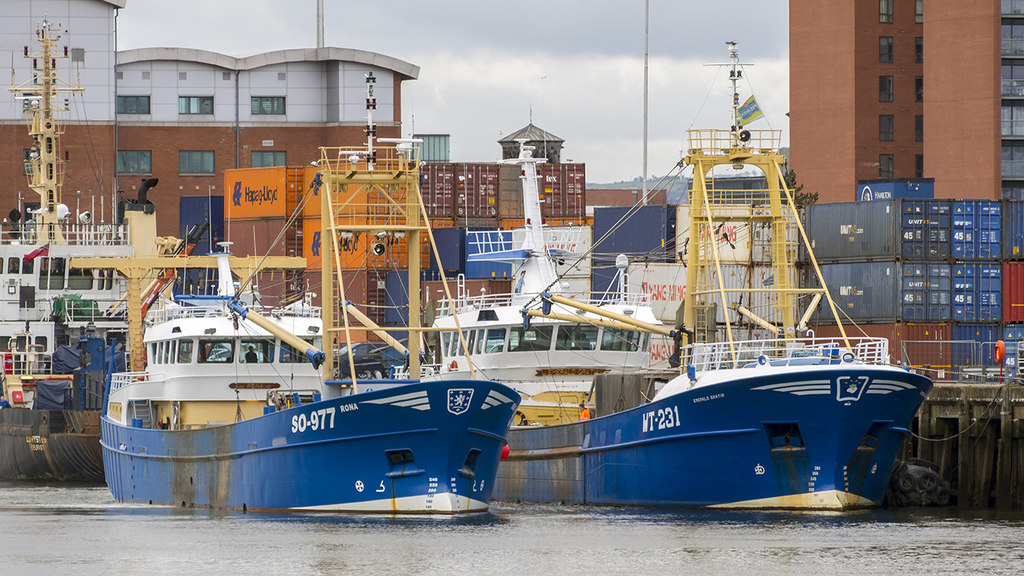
[[853, 231]]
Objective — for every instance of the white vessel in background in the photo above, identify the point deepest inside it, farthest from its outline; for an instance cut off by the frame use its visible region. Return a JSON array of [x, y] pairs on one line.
[[551, 361]]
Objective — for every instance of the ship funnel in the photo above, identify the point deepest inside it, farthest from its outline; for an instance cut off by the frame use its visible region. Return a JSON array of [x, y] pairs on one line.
[[147, 183]]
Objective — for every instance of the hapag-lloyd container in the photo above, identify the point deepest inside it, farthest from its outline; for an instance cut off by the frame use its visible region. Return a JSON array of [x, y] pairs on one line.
[[977, 292], [977, 230]]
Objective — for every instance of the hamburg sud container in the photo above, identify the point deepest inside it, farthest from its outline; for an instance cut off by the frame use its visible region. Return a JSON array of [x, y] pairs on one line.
[[644, 234], [977, 292], [977, 230], [194, 212]]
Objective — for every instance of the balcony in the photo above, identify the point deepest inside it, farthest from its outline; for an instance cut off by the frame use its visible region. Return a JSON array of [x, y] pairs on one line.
[[1012, 8], [1012, 47], [1012, 88]]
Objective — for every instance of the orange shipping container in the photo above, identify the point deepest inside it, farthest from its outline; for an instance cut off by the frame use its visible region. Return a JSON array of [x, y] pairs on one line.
[[261, 192]]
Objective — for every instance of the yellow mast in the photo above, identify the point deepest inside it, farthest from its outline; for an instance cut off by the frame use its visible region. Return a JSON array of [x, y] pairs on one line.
[[45, 167]]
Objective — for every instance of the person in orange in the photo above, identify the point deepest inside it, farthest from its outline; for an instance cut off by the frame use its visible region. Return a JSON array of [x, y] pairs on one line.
[[584, 412]]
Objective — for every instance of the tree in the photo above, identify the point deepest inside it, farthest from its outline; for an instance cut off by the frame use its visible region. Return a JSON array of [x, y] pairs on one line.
[[800, 198]]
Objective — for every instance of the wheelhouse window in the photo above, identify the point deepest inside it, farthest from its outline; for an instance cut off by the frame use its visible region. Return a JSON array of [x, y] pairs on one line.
[[80, 279], [495, 341], [257, 351], [51, 274], [579, 337], [217, 351], [185, 351], [290, 355], [619, 340], [536, 339]]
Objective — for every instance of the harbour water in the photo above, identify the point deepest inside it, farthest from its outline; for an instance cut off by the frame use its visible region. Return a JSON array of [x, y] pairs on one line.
[[53, 529]]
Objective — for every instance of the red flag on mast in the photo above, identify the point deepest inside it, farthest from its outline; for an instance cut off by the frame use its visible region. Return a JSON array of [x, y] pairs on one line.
[[38, 252]]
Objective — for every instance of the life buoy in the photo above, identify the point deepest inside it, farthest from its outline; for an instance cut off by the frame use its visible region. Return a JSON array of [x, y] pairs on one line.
[[453, 366], [1000, 352]]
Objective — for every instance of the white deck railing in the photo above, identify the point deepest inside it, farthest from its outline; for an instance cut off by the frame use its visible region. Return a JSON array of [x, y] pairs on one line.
[[719, 355]]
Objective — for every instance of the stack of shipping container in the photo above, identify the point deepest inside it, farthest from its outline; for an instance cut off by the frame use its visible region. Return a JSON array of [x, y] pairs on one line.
[[925, 273]]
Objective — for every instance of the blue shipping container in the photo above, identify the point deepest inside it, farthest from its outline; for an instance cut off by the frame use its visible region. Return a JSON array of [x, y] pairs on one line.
[[1013, 230], [862, 291], [977, 230], [974, 345], [451, 246], [1011, 335], [977, 292], [875, 190], [648, 233], [193, 212], [852, 231], [925, 229], [926, 292], [396, 298]]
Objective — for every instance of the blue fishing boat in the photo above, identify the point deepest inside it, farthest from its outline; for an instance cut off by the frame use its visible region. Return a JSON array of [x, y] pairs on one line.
[[787, 420], [237, 407]]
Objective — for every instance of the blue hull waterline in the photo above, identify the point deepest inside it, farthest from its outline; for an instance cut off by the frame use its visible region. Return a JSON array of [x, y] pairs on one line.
[[790, 437], [430, 448]]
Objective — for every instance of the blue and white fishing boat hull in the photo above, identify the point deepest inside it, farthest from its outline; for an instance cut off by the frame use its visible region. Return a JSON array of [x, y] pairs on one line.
[[414, 448], [802, 437]]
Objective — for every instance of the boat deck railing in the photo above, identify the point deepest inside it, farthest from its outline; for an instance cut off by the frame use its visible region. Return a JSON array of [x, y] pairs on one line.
[[217, 310], [467, 303], [121, 379], [787, 352], [75, 234], [25, 363]]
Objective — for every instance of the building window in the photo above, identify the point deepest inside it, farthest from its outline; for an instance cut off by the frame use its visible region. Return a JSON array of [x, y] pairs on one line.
[[918, 11], [182, 75], [145, 75], [885, 88], [885, 49], [918, 49], [885, 11], [919, 128], [918, 89], [1013, 162], [225, 75], [134, 162], [133, 104], [885, 127], [268, 104], [195, 104], [195, 162], [267, 158], [918, 165], [885, 166], [1012, 121]]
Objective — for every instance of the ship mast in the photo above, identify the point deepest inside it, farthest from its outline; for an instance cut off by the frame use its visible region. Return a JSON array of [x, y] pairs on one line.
[[44, 166], [712, 207]]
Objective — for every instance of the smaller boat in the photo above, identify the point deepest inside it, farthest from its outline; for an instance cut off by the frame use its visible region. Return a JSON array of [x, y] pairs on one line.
[[552, 361]]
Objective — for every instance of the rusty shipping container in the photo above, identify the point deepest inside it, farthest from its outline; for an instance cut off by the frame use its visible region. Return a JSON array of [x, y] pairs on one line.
[[476, 190], [1013, 292], [437, 187], [926, 346], [563, 190], [510, 191]]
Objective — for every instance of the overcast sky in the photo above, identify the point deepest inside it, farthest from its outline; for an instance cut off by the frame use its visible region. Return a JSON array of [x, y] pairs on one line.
[[484, 64]]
